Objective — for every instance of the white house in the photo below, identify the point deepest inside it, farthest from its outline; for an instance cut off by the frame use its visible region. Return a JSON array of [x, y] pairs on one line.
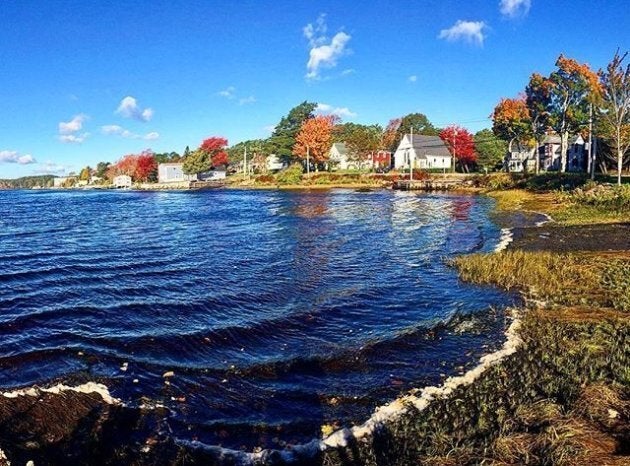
[[274, 163], [212, 175], [341, 158], [122, 181], [173, 173], [425, 152]]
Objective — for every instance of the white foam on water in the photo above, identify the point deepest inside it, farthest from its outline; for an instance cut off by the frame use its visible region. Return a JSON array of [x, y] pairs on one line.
[[504, 241], [89, 387], [388, 413]]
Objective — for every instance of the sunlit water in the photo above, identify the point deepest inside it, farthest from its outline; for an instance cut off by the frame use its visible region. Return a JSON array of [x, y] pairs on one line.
[[276, 311]]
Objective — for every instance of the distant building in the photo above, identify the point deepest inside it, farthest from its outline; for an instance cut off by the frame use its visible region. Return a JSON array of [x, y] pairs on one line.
[[341, 158], [274, 163], [382, 159], [550, 156], [122, 181], [212, 175], [173, 173], [424, 152]]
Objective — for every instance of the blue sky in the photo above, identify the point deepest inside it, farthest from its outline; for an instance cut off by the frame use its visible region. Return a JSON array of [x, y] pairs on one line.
[[86, 81]]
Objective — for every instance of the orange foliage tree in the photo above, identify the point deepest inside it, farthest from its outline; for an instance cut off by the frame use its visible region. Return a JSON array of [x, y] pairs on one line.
[[511, 121], [315, 136]]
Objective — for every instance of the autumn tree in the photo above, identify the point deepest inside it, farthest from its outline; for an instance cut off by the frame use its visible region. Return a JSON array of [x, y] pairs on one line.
[[490, 149], [571, 88], [283, 138], [510, 122], [140, 167], [315, 138], [538, 101], [84, 174], [461, 145], [390, 134], [210, 154], [614, 110]]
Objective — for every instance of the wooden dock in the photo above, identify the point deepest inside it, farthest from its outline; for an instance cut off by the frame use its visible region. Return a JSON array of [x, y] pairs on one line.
[[431, 184]]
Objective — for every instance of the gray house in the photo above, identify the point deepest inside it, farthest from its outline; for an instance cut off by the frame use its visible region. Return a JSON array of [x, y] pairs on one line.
[[173, 173]]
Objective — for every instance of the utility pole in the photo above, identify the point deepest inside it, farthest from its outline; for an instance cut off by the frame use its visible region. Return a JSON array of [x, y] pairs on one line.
[[454, 149], [590, 160], [412, 153], [245, 162]]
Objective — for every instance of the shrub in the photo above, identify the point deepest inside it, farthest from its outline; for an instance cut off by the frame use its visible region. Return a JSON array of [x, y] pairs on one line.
[[290, 175], [265, 179]]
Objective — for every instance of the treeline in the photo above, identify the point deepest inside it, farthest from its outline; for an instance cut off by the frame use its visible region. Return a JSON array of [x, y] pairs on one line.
[[28, 182], [571, 100]]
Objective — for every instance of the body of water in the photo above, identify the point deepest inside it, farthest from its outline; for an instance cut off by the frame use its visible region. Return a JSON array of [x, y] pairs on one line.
[[277, 311]]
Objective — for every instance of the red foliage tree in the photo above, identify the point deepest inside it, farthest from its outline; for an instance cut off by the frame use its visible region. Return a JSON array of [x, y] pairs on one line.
[[215, 148], [140, 167], [461, 144]]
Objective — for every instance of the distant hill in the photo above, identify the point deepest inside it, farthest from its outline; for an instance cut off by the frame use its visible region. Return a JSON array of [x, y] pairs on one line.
[[43, 181]]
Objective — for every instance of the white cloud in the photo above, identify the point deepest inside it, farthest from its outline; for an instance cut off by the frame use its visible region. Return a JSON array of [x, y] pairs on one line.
[[323, 53], [116, 130], [72, 126], [228, 92], [50, 168], [270, 128], [330, 110], [348, 72], [11, 156], [73, 138], [514, 8], [247, 100], [129, 108], [413, 78], [470, 31]]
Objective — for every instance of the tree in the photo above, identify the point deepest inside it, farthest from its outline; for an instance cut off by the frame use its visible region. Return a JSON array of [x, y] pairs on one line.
[[489, 148], [284, 135], [389, 136], [538, 101], [571, 88], [361, 140], [614, 110], [461, 145], [511, 122], [101, 169], [167, 157], [420, 124], [254, 147], [210, 154], [315, 137], [146, 167], [85, 173]]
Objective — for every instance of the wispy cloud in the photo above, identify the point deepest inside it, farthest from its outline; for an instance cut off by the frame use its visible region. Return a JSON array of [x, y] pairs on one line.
[[324, 52], [228, 92], [51, 168], [270, 128], [247, 100], [129, 108], [330, 110], [72, 126], [413, 78], [12, 156], [348, 72], [116, 130], [73, 138], [469, 31], [514, 8]]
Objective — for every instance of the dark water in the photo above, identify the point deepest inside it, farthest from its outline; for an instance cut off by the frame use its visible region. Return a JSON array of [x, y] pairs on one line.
[[277, 311]]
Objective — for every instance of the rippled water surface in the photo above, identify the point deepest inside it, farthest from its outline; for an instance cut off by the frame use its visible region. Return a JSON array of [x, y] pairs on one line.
[[277, 311]]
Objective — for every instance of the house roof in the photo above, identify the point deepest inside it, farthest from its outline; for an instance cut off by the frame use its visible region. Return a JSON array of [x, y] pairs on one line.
[[341, 148], [429, 145]]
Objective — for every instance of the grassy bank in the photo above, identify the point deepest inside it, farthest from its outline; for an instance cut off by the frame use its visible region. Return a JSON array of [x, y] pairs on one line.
[[563, 398]]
